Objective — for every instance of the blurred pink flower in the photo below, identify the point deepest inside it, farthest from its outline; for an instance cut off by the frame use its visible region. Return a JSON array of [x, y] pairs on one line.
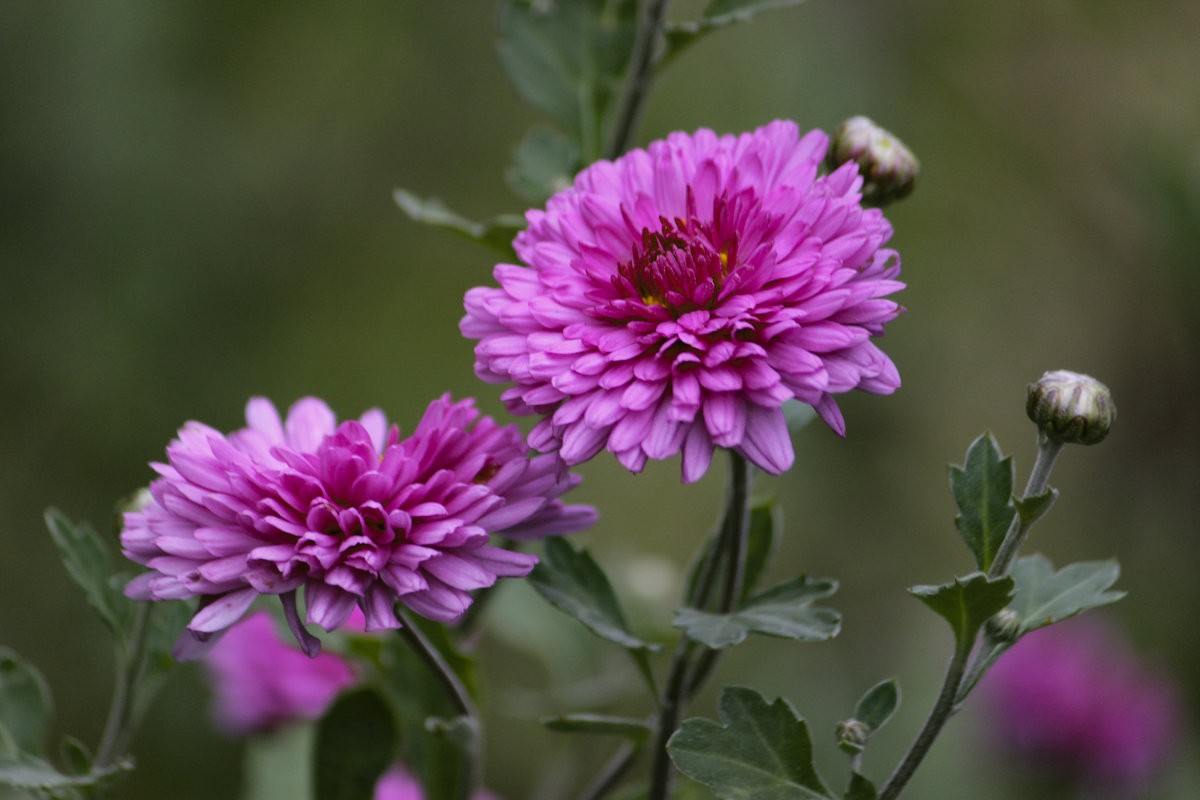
[[675, 298], [398, 784], [352, 513], [1073, 703], [260, 681]]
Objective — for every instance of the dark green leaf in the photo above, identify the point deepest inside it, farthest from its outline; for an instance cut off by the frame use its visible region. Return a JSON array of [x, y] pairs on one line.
[[75, 756], [573, 582], [1044, 596], [635, 730], [496, 233], [982, 490], [356, 742], [718, 14], [25, 704], [569, 59], [545, 163], [90, 565], [967, 603], [762, 537], [860, 788], [1031, 509], [879, 703], [761, 752], [782, 610]]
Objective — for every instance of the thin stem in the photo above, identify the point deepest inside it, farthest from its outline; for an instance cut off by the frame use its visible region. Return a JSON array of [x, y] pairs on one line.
[[120, 712], [1017, 532], [933, 726], [613, 772], [683, 682], [456, 692], [641, 74]]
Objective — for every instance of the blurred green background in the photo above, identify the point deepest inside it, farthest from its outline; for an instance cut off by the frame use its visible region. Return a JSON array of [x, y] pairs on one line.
[[196, 208]]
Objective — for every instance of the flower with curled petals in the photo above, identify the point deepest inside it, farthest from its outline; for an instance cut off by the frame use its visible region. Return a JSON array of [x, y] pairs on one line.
[[352, 513], [675, 298]]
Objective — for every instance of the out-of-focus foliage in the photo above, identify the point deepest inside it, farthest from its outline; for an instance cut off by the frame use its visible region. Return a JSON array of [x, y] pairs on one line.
[[197, 207]]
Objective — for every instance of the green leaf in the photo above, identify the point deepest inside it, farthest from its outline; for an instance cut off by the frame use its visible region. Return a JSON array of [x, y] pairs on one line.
[[571, 581], [544, 163], [860, 788], [75, 756], [1044, 596], [719, 13], [982, 490], [782, 611], [496, 233], [762, 537], [967, 603], [356, 742], [24, 771], [1033, 508], [879, 703], [636, 730], [797, 415], [89, 564], [569, 58], [25, 703], [762, 752]]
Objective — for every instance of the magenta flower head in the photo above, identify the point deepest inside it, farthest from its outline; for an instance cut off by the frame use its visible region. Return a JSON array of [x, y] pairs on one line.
[[675, 298], [1073, 704], [352, 513], [261, 681]]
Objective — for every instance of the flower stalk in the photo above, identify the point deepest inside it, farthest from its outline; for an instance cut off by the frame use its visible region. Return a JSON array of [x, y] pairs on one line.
[[641, 74]]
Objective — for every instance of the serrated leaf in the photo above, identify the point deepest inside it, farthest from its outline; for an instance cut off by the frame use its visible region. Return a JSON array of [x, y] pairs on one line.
[[89, 564], [25, 704], [761, 751], [544, 163], [572, 581], [569, 59], [967, 602], [1033, 508], [784, 611], [982, 490], [719, 13], [355, 743], [497, 232], [860, 788], [1044, 596], [635, 730], [878, 704]]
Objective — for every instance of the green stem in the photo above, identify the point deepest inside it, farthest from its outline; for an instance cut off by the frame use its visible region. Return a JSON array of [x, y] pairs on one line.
[[1018, 531], [933, 725], [613, 772], [455, 691], [683, 682], [641, 74], [118, 726]]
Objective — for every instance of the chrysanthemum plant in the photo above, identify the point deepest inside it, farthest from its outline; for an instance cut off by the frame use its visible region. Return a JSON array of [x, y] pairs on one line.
[[707, 293]]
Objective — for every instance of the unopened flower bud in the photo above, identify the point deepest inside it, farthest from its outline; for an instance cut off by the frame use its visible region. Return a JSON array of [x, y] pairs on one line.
[[889, 169], [1070, 408], [852, 735], [1004, 626]]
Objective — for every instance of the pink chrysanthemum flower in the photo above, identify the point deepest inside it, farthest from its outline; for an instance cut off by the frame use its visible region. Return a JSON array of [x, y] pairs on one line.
[[352, 513], [261, 681], [677, 297]]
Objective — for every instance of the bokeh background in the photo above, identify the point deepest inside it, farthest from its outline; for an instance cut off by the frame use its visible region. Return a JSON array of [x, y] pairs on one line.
[[197, 208]]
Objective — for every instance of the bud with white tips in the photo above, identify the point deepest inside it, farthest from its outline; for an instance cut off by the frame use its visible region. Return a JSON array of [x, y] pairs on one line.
[[852, 735], [889, 169], [1070, 408], [1004, 626]]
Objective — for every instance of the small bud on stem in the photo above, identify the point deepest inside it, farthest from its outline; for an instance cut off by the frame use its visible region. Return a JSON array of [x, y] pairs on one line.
[[1070, 408], [888, 167]]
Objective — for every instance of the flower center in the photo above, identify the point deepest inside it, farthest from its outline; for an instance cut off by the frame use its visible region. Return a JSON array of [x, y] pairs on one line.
[[679, 266]]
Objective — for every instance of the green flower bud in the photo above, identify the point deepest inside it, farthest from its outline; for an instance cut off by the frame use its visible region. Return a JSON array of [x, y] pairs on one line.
[[889, 169], [1004, 626], [1070, 408], [852, 735]]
